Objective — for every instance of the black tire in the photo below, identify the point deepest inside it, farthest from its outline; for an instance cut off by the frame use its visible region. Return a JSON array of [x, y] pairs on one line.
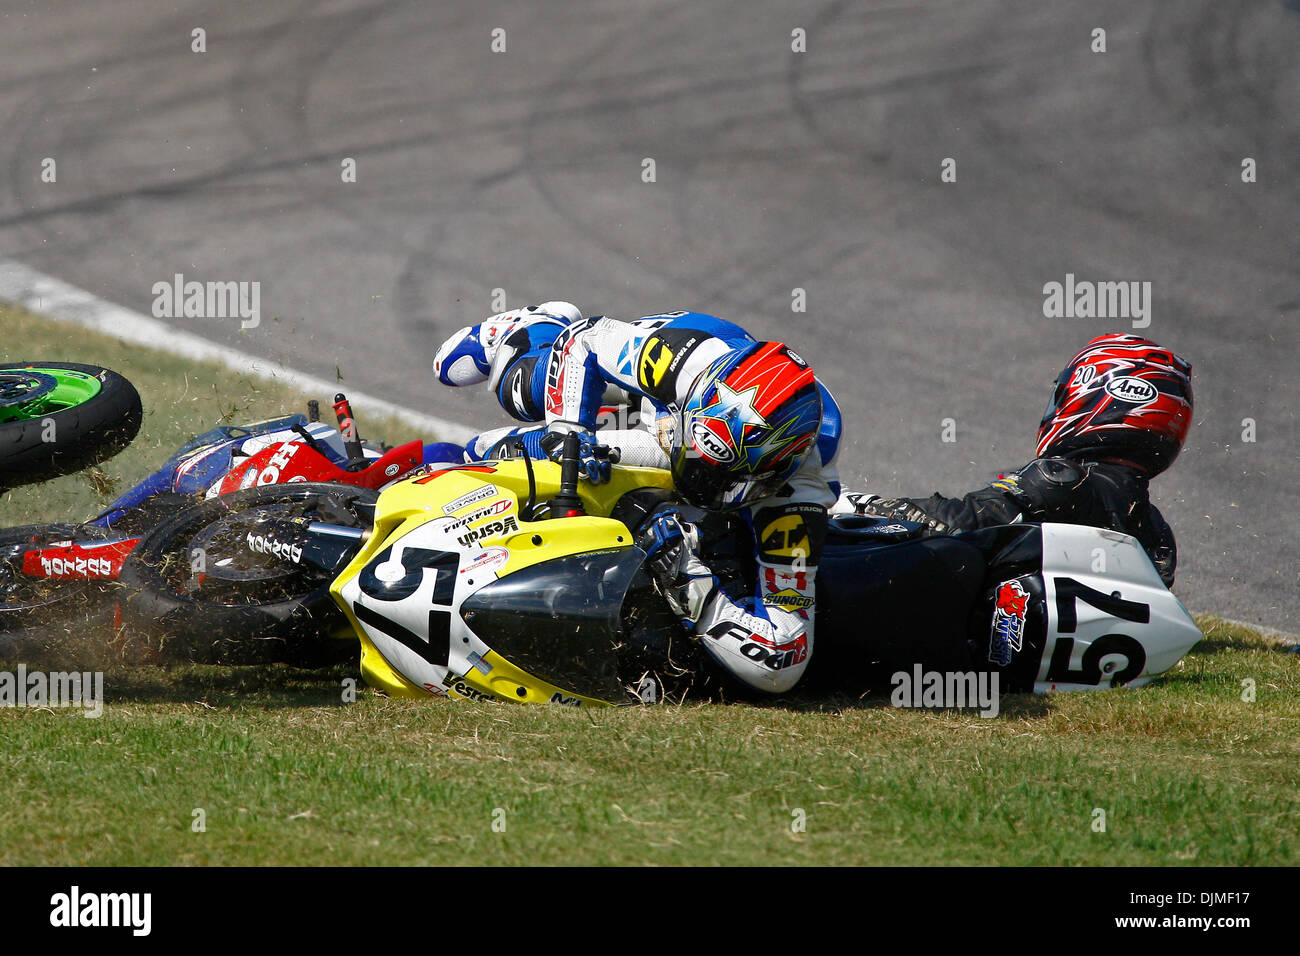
[[87, 434], [287, 616]]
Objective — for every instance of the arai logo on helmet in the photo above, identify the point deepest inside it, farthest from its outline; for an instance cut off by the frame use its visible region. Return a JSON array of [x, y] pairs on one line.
[[710, 444], [1135, 391]]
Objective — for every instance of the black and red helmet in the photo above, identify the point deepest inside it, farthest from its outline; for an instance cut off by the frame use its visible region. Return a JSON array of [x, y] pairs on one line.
[[1122, 397]]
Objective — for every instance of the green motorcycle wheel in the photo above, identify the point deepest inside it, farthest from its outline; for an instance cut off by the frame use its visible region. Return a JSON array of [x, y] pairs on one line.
[[60, 417]]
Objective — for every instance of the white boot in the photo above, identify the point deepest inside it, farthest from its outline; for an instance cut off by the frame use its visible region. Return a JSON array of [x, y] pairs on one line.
[[466, 357]]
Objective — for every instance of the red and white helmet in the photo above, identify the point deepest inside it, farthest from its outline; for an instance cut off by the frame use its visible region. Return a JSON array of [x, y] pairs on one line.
[[1122, 397], [747, 424]]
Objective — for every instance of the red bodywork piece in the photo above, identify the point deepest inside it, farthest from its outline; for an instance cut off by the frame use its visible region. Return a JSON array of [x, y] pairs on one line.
[[293, 461]]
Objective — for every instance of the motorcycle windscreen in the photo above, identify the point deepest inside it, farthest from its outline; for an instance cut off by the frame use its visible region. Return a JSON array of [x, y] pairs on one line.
[[559, 620]]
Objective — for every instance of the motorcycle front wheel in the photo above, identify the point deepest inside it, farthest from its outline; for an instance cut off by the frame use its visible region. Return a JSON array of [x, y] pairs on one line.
[[193, 586]]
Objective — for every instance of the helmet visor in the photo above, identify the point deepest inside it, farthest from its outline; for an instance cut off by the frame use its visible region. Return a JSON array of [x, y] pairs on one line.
[[1059, 390], [714, 489]]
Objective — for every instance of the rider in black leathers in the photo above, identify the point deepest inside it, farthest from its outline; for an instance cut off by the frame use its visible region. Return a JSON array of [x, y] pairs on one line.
[[1118, 417]]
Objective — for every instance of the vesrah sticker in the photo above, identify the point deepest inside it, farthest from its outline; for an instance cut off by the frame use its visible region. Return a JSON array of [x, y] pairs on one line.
[[490, 530]]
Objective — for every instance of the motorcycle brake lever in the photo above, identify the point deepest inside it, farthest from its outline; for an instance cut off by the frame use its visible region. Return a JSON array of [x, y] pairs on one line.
[[310, 440]]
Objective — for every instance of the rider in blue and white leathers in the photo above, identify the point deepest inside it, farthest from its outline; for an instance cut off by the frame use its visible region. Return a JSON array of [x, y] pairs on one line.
[[548, 364]]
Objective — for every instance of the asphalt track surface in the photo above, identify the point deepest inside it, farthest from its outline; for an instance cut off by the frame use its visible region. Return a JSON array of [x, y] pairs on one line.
[[774, 170]]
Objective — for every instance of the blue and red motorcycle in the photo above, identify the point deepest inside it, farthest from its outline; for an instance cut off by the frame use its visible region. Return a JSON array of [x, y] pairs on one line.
[[51, 575]]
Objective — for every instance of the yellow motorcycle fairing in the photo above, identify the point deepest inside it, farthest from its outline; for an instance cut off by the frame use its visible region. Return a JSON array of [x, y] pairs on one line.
[[472, 512]]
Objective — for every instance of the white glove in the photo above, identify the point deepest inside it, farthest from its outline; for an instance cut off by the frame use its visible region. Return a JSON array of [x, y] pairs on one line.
[[853, 503]]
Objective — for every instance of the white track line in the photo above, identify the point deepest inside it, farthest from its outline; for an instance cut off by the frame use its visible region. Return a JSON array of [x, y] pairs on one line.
[[58, 300], [63, 302]]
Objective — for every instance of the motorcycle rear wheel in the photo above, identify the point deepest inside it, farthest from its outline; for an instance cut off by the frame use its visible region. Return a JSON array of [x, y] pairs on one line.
[[60, 417]]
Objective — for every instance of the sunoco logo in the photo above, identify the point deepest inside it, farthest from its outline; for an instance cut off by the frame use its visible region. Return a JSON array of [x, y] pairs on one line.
[[710, 444], [1132, 390]]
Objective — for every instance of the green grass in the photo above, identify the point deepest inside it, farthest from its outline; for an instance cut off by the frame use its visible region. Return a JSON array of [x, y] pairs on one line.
[[286, 772]]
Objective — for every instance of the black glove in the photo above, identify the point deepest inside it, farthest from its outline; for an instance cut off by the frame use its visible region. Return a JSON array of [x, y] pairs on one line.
[[896, 509]]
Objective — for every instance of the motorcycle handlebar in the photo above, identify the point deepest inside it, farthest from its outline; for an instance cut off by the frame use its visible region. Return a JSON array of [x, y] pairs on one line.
[[567, 504], [570, 462]]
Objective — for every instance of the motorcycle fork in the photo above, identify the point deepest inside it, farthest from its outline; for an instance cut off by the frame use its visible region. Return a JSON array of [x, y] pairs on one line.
[[316, 544], [93, 559]]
